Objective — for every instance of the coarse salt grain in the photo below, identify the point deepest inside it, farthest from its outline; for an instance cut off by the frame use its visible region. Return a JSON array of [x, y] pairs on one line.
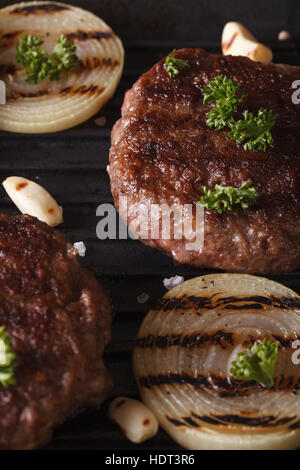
[[80, 248], [142, 298], [174, 281], [284, 35], [100, 121]]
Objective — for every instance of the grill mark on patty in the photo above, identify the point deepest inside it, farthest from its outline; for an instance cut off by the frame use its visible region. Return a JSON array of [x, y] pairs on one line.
[[38, 9], [220, 385], [34, 252], [172, 175], [85, 36]]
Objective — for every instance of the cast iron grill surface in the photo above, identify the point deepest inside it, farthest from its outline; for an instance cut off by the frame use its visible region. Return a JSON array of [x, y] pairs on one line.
[[72, 166]]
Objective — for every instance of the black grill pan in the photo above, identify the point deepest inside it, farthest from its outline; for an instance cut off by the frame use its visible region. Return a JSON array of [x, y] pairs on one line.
[[72, 166]]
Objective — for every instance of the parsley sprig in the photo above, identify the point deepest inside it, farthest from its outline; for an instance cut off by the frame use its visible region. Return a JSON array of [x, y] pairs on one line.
[[257, 363], [39, 65], [173, 65], [256, 129], [8, 360], [223, 198], [226, 94]]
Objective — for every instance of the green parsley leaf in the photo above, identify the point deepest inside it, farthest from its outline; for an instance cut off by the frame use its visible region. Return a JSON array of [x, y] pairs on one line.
[[255, 129], [64, 52], [226, 95], [37, 62], [8, 360], [257, 363], [224, 197], [221, 115], [32, 57], [222, 87], [173, 65]]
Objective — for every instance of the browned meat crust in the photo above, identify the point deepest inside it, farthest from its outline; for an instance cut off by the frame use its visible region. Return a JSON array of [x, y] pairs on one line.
[[162, 151], [59, 320]]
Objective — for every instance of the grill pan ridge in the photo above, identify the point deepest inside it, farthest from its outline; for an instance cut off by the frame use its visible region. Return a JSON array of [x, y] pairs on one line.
[[72, 166]]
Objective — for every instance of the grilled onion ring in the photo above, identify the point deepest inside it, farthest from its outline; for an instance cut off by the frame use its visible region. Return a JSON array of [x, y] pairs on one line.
[[53, 106], [183, 356]]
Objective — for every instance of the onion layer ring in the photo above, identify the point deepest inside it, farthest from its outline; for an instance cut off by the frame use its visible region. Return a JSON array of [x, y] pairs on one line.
[[183, 356], [53, 106]]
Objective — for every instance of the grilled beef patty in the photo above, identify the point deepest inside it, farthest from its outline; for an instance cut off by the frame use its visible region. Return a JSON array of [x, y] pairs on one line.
[[58, 318], [163, 152]]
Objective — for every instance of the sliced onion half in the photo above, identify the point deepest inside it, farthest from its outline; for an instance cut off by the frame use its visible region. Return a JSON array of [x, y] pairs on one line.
[[53, 106], [183, 355]]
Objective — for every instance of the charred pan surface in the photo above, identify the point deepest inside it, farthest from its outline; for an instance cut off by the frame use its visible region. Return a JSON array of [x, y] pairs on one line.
[[58, 318], [163, 152]]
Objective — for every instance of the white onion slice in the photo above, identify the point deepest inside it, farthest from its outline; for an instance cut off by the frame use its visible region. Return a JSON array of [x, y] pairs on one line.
[[183, 356], [53, 106]]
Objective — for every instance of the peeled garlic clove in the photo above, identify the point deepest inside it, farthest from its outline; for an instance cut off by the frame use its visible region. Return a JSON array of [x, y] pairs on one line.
[[31, 198], [237, 40], [135, 420]]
